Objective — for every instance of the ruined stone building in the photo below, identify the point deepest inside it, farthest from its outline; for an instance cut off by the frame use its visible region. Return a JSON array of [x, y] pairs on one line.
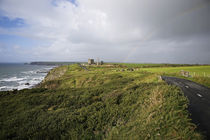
[[90, 61]]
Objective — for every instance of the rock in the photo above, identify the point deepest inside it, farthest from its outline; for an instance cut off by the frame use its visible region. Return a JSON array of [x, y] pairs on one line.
[[27, 84], [160, 77], [130, 69], [15, 91]]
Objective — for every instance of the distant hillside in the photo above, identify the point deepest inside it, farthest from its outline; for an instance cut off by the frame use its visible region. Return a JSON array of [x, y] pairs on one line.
[[52, 63]]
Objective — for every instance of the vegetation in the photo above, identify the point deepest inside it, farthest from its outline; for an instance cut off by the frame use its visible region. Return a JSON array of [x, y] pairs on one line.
[[152, 65], [199, 74], [106, 102]]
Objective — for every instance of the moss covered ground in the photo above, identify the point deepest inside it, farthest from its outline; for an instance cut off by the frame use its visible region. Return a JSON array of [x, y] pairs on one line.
[[105, 102]]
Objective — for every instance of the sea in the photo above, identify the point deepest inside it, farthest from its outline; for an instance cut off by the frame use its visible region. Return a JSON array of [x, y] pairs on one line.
[[21, 76]]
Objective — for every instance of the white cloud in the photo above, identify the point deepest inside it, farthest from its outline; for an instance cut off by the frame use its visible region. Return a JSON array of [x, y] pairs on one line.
[[111, 29]]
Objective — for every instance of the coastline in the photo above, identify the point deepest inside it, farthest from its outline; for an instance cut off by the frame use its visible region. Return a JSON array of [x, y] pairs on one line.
[[21, 76], [40, 83]]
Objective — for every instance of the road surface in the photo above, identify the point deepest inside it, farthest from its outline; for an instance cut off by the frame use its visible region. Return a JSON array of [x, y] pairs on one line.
[[199, 101], [83, 67]]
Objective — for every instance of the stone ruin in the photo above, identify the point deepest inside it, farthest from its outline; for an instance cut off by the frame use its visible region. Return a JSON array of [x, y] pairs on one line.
[[90, 61]]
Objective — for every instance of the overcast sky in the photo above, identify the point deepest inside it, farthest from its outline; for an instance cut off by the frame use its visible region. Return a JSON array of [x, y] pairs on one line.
[[155, 31]]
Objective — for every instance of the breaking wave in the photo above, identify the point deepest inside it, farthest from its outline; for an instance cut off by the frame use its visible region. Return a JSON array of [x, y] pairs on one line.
[[23, 79]]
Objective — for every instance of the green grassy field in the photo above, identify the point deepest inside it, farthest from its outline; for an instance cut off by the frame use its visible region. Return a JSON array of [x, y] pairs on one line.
[[199, 74], [199, 71], [151, 65], [106, 102]]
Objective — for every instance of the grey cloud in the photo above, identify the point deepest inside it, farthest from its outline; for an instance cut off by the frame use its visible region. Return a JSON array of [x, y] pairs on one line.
[[175, 31]]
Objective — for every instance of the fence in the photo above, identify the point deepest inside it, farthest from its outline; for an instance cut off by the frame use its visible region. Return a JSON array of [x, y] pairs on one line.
[[194, 74], [199, 74]]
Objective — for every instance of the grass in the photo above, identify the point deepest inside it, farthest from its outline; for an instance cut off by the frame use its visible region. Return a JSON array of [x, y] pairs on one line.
[[194, 70], [150, 65], [199, 74], [102, 103]]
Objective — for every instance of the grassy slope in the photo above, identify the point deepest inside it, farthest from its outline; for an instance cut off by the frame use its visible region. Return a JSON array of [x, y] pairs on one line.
[[100, 103]]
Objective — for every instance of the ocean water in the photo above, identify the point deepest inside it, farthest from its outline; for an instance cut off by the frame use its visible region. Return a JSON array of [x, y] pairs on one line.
[[20, 76]]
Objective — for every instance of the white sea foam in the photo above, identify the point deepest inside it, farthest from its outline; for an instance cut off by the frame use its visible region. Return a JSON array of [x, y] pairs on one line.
[[11, 79], [29, 72], [32, 82], [22, 87], [38, 79], [49, 68], [3, 87], [6, 88], [23, 79], [22, 82]]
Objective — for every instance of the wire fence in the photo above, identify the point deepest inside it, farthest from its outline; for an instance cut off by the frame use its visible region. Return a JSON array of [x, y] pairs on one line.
[[200, 74], [194, 74]]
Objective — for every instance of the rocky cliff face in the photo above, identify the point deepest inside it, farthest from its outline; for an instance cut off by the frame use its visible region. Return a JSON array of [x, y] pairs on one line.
[[56, 73], [53, 77]]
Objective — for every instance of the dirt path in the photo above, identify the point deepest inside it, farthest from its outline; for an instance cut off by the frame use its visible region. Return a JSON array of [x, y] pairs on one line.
[[199, 98]]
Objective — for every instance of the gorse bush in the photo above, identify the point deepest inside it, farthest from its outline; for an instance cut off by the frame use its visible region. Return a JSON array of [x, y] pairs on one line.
[[101, 103]]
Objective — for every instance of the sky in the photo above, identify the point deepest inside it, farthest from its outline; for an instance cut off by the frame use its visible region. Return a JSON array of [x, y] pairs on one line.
[[139, 31]]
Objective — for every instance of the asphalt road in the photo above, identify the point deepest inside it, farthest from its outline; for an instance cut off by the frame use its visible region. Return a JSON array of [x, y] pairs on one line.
[[83, 67], [199, 102]]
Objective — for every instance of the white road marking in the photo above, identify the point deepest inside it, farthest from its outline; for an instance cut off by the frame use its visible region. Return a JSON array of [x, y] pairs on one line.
[[199, 95]]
